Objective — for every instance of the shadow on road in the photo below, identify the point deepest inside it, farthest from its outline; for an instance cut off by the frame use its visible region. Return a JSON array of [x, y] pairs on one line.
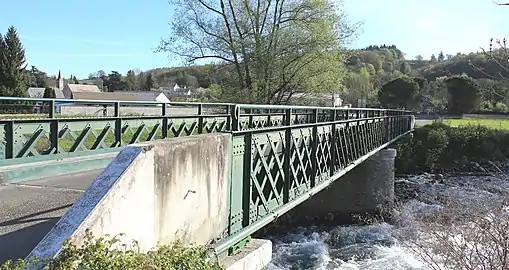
[[18, 244]]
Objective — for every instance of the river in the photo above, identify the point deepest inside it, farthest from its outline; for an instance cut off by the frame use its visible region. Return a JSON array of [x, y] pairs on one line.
[[385, 245]]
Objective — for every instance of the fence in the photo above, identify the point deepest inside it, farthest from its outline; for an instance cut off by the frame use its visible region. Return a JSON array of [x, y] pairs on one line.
[[53, 133]]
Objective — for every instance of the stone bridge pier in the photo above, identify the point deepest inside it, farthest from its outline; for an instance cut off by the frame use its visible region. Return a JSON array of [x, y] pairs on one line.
[[365, 191]]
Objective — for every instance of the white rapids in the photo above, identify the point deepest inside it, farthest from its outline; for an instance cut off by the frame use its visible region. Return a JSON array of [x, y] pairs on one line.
[[378, 246]]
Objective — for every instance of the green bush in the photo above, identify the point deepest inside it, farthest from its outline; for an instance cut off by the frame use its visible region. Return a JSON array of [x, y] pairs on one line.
[[99, 254], [439, 147], [500, 107]]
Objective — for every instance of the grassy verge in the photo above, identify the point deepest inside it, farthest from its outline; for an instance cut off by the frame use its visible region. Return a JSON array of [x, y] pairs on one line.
[[108, 253], [490, 123], [440, 147], [67, 142]]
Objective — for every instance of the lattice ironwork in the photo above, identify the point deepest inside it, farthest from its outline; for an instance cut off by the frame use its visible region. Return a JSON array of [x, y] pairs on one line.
[[279, 165]]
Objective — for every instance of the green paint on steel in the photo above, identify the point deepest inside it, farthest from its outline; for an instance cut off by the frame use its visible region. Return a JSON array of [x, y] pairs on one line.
[[55, 157], [233, 249], [52, 134], [49, 168], [274, 166]]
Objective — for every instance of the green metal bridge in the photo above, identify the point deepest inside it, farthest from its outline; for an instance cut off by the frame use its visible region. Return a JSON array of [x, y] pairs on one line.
[[282, 155]]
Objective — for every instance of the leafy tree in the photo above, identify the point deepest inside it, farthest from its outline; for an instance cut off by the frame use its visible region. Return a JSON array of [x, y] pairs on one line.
[[100, 74], [274, 47], [49, 93], [213, 93], [37, 78], [114, 82], [150, 82], [131, 81], [13, 81], [359, 87], [75, 80], [405, 68], [464, 94], [441, 57], [400, 93], [433, 58]]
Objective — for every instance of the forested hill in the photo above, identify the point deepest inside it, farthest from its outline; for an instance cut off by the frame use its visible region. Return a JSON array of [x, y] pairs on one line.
[[382, 63]]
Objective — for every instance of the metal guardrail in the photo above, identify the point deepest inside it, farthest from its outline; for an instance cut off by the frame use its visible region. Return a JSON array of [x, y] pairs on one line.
[[52, 133], [275, 168]]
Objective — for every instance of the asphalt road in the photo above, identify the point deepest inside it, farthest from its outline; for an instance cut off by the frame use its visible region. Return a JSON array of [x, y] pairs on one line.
[[28, 210]]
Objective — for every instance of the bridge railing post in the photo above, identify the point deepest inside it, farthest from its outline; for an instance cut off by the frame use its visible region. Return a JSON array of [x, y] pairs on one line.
[[250, 123], [9, 140], [333, 139], [164, 126], [53, 129], [118, 125], [200, 118], [314, 148], [287, 155], [234, 117]]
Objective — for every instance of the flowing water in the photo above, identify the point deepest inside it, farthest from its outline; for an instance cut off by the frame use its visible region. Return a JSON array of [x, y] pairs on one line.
[[379, 246]]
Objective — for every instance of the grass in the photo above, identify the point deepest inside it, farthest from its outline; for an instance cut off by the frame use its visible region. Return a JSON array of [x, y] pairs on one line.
[[67, 142], [490, 123]]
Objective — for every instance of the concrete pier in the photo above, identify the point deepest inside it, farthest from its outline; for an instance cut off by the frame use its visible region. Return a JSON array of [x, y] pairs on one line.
[[367, 189]]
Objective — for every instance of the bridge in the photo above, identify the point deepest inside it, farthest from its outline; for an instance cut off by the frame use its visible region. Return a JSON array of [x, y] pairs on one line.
[[234, 167]]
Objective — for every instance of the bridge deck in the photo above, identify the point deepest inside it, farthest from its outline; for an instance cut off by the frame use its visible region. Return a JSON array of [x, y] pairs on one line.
[[30, 209]]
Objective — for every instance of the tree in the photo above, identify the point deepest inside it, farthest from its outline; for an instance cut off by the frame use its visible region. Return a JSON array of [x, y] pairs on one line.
[[49, 93], [150, 82], [131, 81], [441, 57], [464, 94], [38, 78], [275, 47], [13, 81], [404, 68], [433, 58], [114, 81], [359, 87], [400, 93]]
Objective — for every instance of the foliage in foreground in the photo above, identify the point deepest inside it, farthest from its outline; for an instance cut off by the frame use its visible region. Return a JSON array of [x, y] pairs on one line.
[[108, 253], [439, 147]]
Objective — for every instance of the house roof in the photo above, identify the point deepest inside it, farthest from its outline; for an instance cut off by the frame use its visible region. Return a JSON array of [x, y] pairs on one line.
[[84, 88], [38, 92], [142, 95], [115, 96]]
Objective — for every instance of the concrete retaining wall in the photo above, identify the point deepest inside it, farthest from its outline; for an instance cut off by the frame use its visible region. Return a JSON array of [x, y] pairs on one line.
[[155, 193]]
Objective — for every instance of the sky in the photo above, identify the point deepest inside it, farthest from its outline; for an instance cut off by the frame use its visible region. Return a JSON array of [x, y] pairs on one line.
[[81, 37]]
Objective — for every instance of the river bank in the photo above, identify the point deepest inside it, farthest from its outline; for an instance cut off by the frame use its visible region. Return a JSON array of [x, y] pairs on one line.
[[440, 148]]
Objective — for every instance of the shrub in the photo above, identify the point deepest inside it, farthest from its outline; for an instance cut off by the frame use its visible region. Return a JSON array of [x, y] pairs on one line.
[[439, 147], [500, 107], [108, 253]]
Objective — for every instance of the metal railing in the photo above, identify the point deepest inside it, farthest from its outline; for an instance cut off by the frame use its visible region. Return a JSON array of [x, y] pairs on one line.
[[61, 130], [275, 168]]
